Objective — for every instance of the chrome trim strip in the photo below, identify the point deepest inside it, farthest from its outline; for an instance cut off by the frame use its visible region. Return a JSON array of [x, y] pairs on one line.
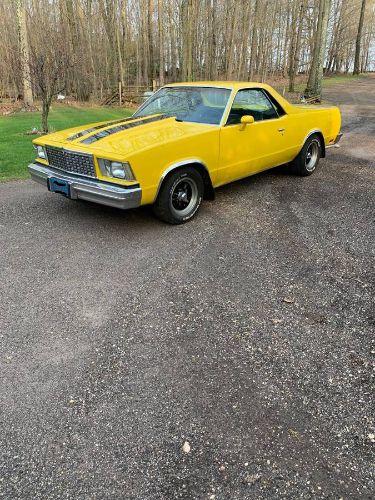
[[144, 103], [96, 191], [311, 133], [201, 85], [228, 107], [82, 153]]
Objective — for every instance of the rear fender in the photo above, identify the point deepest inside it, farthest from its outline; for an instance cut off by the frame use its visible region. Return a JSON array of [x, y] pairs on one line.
[[320, 136]]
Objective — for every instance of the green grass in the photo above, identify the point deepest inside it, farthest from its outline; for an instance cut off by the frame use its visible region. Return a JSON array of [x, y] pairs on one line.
[[16, 149], [330, 80]]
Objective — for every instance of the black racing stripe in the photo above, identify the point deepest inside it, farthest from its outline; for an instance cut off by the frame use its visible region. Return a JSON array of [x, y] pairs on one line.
[[120, 128], [97, 127]]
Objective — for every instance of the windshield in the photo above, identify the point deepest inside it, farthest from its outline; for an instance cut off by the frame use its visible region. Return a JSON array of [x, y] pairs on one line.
[[188, 104]]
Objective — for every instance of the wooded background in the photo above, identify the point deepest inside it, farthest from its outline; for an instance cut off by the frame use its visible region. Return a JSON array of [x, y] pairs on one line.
[[86, 47]]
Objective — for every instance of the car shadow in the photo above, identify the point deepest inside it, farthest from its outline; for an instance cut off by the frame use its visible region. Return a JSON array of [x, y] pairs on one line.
[[104, 212], [256, 179], [86, 212]]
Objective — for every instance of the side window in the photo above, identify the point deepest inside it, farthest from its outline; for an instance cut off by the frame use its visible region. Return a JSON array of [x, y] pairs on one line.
[[251, 102]]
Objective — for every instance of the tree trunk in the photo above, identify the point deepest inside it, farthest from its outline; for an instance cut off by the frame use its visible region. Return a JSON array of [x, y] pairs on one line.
[[367, 44], [150, 42], [121, 71], [106, 10], [24, 49], [211, 63], [231, 43], [253, 40], [357, 68], [46, 104], [174, 50], [126, 40], [161, 43], [292, 45], [295, 46], [187, 40], [73, 77], [314, 84], [244, 41]]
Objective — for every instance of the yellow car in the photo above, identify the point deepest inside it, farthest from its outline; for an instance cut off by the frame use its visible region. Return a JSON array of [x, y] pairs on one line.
[[184, 141]]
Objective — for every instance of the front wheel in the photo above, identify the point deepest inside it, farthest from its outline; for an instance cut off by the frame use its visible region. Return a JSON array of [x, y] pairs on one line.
[[308, 158], [180, 196]]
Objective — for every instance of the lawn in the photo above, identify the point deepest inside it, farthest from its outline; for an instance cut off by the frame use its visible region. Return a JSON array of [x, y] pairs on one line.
[[16, 150]]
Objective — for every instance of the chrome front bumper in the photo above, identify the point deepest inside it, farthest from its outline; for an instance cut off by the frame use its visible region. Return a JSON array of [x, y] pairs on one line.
[[90, 189]]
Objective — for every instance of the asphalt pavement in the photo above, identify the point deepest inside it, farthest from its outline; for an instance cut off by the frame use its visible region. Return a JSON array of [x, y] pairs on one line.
[[227, 358]]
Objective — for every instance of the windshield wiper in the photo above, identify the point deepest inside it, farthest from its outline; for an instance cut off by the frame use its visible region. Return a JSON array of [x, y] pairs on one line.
[[167, 115]]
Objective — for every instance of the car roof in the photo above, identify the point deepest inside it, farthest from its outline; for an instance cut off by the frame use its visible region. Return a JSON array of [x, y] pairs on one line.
[[220, 84]]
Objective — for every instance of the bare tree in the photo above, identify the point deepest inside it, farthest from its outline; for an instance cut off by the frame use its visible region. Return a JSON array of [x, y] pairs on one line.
[[357, 61], [137, 41], [48, 68]]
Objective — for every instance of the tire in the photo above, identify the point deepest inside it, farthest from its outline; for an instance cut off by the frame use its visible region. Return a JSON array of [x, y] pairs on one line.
[[308, 158], [180, 196]]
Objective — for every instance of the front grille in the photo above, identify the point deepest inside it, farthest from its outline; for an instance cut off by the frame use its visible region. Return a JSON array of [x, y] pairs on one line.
[[77, 163]]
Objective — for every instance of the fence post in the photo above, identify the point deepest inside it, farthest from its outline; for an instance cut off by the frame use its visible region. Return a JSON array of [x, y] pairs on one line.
[[120, 92]]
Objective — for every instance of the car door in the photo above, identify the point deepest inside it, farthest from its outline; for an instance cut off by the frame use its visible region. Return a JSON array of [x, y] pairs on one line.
[[247, 149]]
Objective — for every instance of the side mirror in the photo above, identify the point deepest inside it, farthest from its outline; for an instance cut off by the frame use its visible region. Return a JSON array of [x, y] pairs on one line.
[[246, 120]]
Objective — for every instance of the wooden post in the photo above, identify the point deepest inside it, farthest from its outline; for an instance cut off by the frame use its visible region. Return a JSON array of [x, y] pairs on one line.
[[120, 93]]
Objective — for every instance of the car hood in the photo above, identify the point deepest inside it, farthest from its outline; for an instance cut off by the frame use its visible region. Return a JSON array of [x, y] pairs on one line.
[[123, 137]]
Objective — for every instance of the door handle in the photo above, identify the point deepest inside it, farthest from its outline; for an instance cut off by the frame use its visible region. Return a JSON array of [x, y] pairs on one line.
[[281, 129]]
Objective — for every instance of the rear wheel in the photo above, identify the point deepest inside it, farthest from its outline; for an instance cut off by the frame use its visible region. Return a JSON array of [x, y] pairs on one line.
[[180, 196], [308, 158]]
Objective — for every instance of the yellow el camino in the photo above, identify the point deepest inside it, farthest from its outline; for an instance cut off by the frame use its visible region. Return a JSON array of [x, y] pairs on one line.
[[184, 141]]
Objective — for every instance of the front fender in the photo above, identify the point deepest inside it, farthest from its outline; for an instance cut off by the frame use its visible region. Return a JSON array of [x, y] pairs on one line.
[[196, 162]]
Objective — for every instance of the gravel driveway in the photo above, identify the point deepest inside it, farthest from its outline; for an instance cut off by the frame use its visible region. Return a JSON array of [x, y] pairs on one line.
[[228, 358]]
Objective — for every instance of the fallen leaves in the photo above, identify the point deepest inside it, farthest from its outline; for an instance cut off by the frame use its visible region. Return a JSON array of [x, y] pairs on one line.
[[251, 478], [288, 300], [186, 447], [276, 321]]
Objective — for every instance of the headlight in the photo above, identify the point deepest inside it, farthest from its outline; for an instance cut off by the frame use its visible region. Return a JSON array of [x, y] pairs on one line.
[[41, 152], [116, 169]]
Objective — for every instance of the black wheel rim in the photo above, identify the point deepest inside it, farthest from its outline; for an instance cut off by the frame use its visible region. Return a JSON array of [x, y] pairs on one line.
[[184, 196]]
